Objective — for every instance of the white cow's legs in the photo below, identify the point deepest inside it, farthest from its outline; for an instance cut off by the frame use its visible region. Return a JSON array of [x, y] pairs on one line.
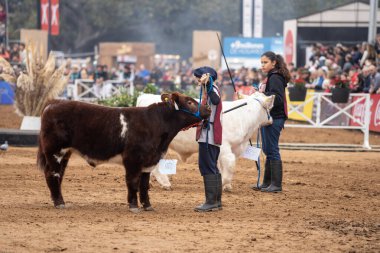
[[162, 179], [227, 162]]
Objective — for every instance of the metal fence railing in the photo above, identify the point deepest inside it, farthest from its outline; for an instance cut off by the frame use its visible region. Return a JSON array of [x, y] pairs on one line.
[[327, 118]]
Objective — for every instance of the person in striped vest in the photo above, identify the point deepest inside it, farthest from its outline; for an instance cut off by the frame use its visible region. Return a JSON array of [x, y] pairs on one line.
[[209, 137]]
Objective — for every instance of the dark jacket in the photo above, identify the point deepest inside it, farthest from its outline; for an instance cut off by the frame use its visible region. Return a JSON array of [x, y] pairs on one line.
[[276, 85]]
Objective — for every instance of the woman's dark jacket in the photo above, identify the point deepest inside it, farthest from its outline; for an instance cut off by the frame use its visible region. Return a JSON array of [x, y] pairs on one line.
[[276, 85]]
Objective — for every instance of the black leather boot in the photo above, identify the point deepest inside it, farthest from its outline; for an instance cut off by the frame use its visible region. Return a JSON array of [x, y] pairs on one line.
[[211, 192], [276, 176], [267, 177], [220, 191]]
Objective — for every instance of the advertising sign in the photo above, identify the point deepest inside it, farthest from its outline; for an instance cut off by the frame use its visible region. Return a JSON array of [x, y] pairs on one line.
[[358, 112], [247, 51], [290, 41]]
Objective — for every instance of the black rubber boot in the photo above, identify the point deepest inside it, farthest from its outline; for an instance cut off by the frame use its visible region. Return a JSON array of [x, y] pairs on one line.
[[267, 177], [211, 184], [220, 191], [276, 176]]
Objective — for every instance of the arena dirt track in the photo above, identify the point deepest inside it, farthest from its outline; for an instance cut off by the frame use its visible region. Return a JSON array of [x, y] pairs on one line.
[[330, 203]]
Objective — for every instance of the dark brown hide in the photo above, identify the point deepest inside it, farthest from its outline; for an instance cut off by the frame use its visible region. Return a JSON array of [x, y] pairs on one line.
[[139, 135]]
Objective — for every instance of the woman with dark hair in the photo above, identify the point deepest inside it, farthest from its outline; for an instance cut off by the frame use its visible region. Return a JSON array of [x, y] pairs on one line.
[[277, 78]]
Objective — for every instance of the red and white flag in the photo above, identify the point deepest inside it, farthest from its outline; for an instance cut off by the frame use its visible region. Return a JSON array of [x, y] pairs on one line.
[[50, 14], [45, 15], [54, 10]]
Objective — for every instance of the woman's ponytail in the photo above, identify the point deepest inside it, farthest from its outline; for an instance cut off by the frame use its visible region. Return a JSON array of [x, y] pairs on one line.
[[281, 66]]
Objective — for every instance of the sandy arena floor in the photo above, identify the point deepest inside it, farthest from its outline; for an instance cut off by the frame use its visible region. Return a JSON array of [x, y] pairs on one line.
[[330, 203]]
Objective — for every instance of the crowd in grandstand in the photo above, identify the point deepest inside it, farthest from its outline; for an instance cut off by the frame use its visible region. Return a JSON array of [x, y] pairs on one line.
[[356, 66]]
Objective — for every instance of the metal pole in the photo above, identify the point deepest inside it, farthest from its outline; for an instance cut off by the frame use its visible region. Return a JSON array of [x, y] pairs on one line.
[[367, 120], [6, 25], [49, 30], [38, 2], [372, 28]]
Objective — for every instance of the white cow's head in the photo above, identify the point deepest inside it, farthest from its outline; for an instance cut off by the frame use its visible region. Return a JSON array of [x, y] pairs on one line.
[[266, 103]]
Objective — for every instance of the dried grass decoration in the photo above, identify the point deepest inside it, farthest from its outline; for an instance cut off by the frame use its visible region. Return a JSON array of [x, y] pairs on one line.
[[41, 82], [7, 72]]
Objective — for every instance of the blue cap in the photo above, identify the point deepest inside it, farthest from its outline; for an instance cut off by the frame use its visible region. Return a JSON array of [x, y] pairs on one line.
[[203, 70]]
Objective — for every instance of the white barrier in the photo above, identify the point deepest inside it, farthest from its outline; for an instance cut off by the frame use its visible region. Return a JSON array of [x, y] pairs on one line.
[[318, 98], [88, 90]]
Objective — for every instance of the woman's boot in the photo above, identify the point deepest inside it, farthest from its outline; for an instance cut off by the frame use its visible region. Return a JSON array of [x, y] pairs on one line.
[[276, 176]]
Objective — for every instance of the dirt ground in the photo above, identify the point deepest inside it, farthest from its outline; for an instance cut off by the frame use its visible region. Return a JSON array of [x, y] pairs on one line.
[[330, 203]]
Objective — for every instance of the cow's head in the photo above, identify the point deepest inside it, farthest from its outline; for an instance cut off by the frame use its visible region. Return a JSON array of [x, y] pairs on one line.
[[266, 103], [186, 104]]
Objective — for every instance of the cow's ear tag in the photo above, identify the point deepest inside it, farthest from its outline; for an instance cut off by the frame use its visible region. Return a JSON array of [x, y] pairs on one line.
[[165, 97]]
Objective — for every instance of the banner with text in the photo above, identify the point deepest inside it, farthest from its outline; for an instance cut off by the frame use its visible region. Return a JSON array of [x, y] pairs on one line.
[[358, 112], [247, 51]]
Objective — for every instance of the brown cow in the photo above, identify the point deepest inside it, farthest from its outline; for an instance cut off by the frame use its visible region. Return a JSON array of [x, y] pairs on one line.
[[135, 137]]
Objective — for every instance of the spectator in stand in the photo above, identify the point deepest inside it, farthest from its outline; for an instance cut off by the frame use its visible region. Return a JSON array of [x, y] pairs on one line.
[[114, 74], [290, 66], [15, 54], [127, 75], [167, 83], [75, 74], [347, 63], [328, 82], [369, 55], [377, 49], [3, 18], [339, 53], [22, 50], [105, 72], [156, 75], [83, 71], [98, 79], [317, 77], [366, 79], [354, 78], [356, 55], [375, 87], [3, 14], [4, 52], [372, 75], [143, 74]]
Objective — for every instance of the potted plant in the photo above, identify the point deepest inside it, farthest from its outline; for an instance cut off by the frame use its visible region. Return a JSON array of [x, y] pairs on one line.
[[340, 91], [40, 82], [297, 92]]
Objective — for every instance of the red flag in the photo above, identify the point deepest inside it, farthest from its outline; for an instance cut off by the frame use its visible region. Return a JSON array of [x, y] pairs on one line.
[[45, 15], [54, 10]]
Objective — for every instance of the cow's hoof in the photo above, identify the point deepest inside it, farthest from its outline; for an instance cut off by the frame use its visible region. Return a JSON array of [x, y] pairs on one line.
[[167, 188], [135, 210], [148, 208], [227, 188], [60, 206]]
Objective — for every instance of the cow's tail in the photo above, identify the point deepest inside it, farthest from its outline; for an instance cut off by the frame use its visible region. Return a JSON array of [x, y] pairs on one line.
[[41, 158]]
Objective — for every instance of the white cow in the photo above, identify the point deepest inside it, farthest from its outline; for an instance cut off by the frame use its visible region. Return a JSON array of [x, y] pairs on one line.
[[239, 125]]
